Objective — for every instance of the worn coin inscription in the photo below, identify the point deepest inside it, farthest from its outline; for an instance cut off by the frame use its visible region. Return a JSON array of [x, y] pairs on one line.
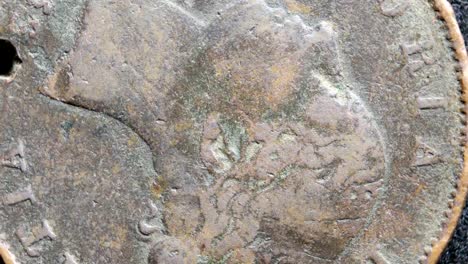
[[215, 131]]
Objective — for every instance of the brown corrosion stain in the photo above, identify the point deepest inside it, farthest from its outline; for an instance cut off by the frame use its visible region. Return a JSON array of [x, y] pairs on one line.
[[448, 15], [58, 84], [297, 7], [257, 84]]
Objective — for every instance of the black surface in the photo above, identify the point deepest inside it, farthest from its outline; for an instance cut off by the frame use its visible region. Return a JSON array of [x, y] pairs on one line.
[[457, 250], [8, 57]]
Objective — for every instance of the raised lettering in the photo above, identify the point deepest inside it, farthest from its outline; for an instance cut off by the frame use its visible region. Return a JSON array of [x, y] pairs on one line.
[[69, 259], [37, 234], [432, 102], [378, 258], [425, 155], [18, 197], [416, 55]]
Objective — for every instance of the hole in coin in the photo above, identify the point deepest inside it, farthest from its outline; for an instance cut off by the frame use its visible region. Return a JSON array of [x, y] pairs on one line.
[[9, 58]]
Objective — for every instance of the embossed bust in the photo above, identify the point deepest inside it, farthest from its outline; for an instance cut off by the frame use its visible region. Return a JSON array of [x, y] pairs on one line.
[[262, 148]]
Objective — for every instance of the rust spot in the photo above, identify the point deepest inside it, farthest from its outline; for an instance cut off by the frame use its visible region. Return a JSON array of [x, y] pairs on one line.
[[158, 187]]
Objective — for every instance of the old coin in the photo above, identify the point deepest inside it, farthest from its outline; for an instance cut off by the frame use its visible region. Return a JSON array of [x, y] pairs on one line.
[[230, 131]]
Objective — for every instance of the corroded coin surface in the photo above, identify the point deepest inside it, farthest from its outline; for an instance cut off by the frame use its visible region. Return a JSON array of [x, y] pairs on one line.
[[229, 131]]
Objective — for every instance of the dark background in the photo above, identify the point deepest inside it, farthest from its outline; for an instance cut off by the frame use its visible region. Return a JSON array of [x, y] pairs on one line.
[[457, 250]]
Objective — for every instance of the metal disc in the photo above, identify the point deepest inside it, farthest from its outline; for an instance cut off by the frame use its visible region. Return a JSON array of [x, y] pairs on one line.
[[221, 131]]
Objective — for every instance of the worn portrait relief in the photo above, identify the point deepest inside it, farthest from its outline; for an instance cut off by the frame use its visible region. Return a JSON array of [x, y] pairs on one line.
[[262, 148]]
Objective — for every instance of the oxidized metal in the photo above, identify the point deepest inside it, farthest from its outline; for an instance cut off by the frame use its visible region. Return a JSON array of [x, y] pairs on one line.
[[216, 131]]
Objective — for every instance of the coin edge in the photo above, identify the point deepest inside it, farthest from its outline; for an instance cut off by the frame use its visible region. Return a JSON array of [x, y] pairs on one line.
[[447, 14]]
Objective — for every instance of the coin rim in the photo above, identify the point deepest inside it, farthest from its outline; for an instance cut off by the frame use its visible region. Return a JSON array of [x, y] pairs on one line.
[[6, 255], [447, 14]]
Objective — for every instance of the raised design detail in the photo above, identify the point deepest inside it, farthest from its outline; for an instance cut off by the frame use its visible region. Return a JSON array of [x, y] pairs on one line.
[[432, 102], [378, 258], [145, 227], [69, 259], [14, 157], [19, 196], [393, 8], [283, 186], [417, 55], [37, 234], [183, 11], [265, 147], [425, 155], [45, 5]]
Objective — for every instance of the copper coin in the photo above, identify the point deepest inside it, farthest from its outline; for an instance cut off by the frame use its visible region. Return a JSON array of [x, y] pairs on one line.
[[230, 131]]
